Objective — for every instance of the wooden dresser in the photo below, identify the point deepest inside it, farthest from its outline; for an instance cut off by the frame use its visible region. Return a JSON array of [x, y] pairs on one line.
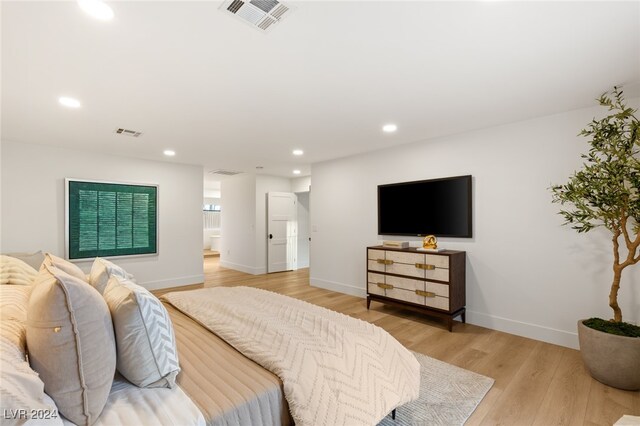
[[433, 283]]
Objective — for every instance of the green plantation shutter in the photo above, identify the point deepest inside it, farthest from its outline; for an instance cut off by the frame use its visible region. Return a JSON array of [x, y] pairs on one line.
[[109, 219]]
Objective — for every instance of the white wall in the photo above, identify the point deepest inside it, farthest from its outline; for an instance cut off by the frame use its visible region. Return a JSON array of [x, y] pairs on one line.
[[238, 223], [211, 193], [301, 184], [526, 274], [33, 207]]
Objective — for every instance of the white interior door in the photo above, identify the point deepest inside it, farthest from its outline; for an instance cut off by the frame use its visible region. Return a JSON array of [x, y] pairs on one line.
[[282, 231]]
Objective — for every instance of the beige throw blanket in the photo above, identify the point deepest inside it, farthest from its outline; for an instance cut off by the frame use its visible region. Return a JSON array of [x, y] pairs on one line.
[[336, 370]]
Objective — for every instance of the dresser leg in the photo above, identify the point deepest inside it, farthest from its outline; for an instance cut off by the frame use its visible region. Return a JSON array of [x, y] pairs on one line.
[[464, 317], [450, 321], [368, 303]]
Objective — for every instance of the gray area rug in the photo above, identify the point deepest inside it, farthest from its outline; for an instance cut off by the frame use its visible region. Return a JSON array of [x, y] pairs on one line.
[[448, 395]]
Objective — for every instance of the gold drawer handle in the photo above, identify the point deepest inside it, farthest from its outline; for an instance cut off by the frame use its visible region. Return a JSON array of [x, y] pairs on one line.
[[383, 285], [425, 293], [385, 261], [425, 266]]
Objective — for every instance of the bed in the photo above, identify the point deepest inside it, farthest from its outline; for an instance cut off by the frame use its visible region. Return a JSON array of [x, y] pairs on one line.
[[227, 387], [217, 384]]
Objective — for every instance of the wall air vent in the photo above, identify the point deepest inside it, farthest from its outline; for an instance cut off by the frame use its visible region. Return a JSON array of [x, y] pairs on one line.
[[127, 132], [224, 172], [260, 14]]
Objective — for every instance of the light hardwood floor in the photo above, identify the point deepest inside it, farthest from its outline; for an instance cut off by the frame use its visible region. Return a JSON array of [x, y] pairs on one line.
[[536, 383]]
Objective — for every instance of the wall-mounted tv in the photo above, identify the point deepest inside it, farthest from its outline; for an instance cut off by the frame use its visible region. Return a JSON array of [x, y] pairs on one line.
[[440, 207]]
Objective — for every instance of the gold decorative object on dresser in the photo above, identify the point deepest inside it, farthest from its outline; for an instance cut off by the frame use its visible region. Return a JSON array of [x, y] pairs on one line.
[[430, 242], [433, 283]]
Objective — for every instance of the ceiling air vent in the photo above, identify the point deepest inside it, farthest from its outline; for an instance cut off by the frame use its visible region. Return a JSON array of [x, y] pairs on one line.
[[224, 172], [127, 132], [261, 14]]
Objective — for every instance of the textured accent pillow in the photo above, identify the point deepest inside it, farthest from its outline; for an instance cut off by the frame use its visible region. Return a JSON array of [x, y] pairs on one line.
[[14, 300], [64, 265], [15, 271], [145, 341], [102, 270], [34, 259], [71, 343]]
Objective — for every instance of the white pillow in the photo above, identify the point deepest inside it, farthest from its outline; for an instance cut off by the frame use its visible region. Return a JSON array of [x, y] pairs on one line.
[[145, 341], [102, 270], [15, 271], [63, 265]]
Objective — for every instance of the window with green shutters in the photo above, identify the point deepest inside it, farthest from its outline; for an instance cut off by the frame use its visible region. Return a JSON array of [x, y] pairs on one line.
[[111, 219]]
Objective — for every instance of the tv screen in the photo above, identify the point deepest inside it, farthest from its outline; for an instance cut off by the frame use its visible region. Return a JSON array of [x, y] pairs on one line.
[[440, 207]]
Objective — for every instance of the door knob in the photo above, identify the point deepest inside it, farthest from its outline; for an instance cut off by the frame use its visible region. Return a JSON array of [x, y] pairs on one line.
[[270, 236]]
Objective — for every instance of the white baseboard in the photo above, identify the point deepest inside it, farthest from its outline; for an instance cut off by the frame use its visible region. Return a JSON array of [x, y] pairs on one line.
[[519, 328], [173, 282], [243, 268], [339, 287]]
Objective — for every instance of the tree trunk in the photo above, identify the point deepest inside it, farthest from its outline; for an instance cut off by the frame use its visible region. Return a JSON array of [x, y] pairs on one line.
[[613, 295]]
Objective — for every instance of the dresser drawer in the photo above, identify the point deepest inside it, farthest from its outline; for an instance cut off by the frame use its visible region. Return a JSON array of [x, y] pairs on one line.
[[376, 254], [374, 265], [437, 302], [437, 267], [437, 274], [405, 283], [404, 257], [405, 295], [373, 278], [437, 260], [373, 288], [441, 290], [403, 263], [376, 260]]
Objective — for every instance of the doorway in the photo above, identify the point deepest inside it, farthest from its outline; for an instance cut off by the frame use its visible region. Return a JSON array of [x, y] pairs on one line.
[[282, 231]]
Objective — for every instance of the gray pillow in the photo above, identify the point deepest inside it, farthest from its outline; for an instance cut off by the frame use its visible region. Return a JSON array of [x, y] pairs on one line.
[[71, 343], [145, 341]]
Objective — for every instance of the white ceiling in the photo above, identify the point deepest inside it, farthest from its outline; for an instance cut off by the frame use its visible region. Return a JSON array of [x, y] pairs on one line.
[[325, 79]]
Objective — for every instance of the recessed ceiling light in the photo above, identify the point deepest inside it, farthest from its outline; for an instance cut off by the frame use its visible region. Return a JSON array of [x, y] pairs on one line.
[[389, 128], [169, 152], [296, 172], [259, 167], [69, 102], [96, 8], [298, 152]]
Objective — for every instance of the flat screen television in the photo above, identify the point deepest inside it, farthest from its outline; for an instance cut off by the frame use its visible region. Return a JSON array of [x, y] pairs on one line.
[[440, 207]]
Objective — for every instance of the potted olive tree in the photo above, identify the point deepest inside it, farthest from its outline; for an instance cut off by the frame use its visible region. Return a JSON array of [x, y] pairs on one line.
[[606, 192]]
